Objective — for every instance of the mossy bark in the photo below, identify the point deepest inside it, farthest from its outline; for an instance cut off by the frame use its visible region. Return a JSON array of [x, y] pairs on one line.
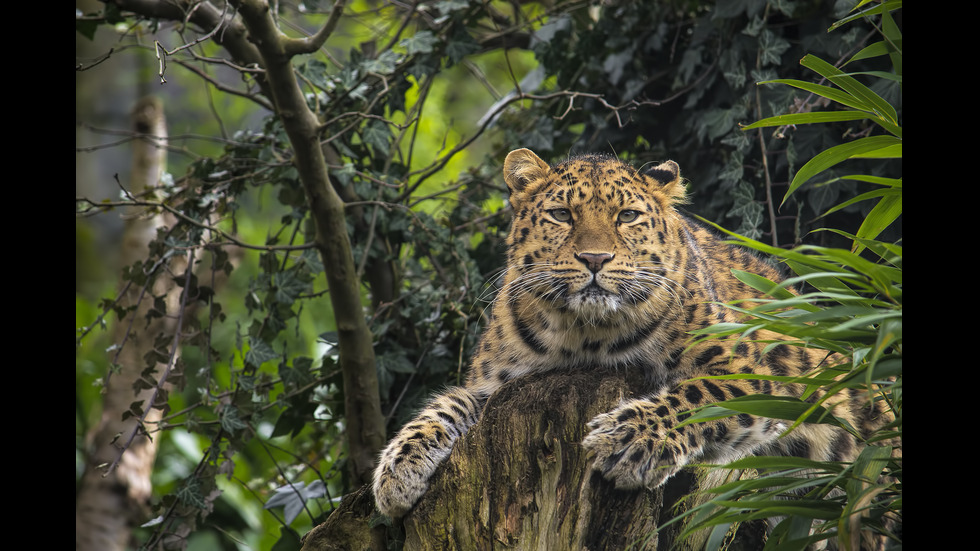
[[520, 479]]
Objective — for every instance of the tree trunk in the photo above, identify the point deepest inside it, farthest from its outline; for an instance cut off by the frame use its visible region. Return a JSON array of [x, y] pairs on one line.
[[110, 504], [362, 402], [520, 479]]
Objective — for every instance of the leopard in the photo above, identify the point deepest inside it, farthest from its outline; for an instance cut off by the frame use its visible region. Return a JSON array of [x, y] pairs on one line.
[[605, 269]]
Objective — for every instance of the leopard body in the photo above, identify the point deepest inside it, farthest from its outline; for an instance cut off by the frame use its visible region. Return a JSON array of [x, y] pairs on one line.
[[603, 270]]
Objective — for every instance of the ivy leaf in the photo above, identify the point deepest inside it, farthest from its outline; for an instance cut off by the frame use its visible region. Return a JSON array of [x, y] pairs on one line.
[[231, 422], [259, 352], [376, 135], [299, 374], [395, 363], [288, 286], [734, 169], [311, 261], [293, 497], [461, 45], [422, 42], [384, 64], [190, 494], [541, 136], [344, 174], [747, 210], [446, 7], [771, 48], [316, 71], [715, 123], [86, 27]]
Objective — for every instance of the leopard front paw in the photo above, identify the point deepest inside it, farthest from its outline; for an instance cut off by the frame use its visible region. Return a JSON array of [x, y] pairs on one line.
[[634, 446], [397, 487]]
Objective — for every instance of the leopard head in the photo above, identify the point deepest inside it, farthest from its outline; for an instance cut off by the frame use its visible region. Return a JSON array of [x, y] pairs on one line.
[[592, 235]]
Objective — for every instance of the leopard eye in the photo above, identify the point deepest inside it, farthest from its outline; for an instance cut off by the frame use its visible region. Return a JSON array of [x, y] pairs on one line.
[[628, 216], [561, 215]]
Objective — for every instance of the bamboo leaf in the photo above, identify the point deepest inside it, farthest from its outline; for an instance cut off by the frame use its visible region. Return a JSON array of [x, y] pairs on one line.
[[850, 85], [760, 283], [828, 92], [882, 8], [893, 151], [771, 406], [881, 216], [809, 118], [839, 154]]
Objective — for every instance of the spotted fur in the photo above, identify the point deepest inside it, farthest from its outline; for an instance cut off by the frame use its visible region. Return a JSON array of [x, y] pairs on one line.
[[602, 270]]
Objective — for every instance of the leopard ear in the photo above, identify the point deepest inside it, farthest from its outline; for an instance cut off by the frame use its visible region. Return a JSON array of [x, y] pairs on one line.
[[668, 175], [521, 168]]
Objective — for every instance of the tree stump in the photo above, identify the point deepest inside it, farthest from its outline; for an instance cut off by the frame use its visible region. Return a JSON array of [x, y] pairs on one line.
[[520, 479]]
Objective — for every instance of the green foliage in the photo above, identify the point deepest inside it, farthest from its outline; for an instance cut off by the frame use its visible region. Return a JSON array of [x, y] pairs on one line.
[[420, 107], [681, 88], [254, 406], [851, 306]]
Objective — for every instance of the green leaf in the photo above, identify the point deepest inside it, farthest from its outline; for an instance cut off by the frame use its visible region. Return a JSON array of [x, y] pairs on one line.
[[894, 184], [888, 209], [780, 407], [809, 118], [879, 8], [289, 540], [449, 6], [850, 85], [878, 49], [760, 283], [782, 462], [297, 375], [86, 27], [231, 421], [422, 42], [460, 45], [345, 174], [806, 508], [376, 135], [190, 494], [291, 421], [828, 92], [259, 352], [838, 154]]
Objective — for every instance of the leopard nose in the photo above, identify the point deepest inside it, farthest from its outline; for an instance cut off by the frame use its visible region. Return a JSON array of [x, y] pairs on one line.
[[594, 260]]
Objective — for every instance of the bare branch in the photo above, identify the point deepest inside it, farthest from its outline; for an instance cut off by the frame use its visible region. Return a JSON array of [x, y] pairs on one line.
[[204, 15], [298, 46], [264, 103], [160, 49]]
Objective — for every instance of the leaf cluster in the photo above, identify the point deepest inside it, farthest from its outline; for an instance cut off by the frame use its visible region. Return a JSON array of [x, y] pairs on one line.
[[253, 401], [849, 304], [685, 87]]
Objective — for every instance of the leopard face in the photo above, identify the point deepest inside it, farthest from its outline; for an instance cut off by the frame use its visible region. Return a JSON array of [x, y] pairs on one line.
[[590, 237]]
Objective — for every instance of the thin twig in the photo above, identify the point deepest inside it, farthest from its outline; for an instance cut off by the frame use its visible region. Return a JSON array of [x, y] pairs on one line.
[[158, 47], [234, 240]]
